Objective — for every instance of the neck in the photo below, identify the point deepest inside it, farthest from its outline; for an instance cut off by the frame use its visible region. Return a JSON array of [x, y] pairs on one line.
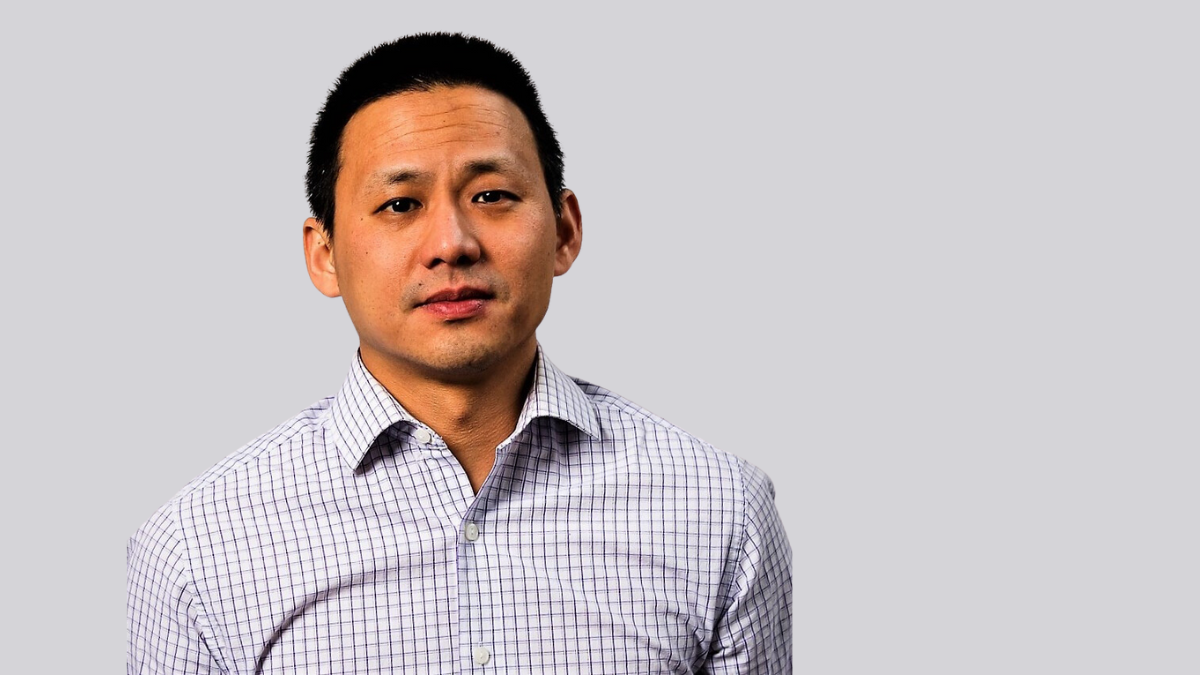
[[472, 415]]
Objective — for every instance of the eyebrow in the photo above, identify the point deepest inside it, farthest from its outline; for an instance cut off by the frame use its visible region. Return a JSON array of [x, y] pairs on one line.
[[401, 176], [490, 165]]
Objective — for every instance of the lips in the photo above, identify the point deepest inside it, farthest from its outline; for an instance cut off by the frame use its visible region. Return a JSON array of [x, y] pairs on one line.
[[457, 295], [455, 304]]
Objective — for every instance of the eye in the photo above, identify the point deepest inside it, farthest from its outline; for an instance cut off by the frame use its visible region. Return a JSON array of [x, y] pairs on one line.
[[493, 197], [401, 205]]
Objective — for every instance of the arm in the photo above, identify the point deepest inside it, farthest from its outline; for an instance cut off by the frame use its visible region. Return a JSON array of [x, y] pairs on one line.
[[168, 632], [754, 634]]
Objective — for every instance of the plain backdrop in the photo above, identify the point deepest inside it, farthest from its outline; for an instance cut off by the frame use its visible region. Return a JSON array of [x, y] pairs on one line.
[[932, 265]]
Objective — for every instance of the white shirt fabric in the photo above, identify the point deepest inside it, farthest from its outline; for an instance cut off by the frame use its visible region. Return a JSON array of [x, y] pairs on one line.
[[349, 540]]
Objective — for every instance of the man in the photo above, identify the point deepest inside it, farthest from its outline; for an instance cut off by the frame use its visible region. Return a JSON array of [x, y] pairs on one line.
[[461, 504]]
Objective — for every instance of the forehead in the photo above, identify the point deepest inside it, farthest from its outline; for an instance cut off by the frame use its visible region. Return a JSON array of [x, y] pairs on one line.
[[439, 126]]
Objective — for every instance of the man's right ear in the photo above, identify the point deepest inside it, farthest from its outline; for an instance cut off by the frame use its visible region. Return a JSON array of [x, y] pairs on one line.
[[318, 255]]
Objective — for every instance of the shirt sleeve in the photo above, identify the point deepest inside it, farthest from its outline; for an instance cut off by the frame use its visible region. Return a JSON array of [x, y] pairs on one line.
[[754, 634], [168, 632]]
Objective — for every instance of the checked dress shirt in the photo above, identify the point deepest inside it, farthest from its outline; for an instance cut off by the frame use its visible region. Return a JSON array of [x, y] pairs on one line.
[[349, 540]]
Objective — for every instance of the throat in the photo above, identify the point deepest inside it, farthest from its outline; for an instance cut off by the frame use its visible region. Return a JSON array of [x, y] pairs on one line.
[[472, 418]]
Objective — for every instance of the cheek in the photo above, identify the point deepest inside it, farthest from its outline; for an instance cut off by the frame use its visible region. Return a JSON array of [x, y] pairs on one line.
[[533, 263], [370, 276]]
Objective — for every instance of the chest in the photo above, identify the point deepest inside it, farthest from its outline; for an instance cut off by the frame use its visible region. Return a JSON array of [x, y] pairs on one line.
[[600, 569]]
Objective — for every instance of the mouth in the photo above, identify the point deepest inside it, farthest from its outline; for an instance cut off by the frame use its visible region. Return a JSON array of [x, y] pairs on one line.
[[455, 304]]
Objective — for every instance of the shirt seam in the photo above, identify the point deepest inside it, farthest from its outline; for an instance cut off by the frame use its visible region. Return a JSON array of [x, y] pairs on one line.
[[202, 612], [740, 537], [254, 457], [633, 410]]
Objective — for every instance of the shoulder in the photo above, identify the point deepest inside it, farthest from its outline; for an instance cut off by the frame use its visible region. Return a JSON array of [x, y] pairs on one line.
[[658, 439], [246, 468], [725, 496]]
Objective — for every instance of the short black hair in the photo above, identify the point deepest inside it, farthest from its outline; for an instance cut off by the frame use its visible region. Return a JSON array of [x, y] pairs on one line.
[[422, 62]]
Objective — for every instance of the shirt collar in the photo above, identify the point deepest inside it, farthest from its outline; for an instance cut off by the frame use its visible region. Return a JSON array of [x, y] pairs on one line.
[[555, 394], [363, 409]]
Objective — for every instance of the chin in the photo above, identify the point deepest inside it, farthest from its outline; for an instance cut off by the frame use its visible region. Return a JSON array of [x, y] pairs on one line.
[[465, 359]]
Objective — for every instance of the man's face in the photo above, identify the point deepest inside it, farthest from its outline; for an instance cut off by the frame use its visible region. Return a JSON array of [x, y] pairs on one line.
[[445, 241]]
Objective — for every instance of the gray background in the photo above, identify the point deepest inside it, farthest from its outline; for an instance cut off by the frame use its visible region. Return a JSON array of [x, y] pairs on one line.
[[932, 265]]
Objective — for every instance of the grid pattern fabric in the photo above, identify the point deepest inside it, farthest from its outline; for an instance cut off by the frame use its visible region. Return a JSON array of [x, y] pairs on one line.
[[349, 540]]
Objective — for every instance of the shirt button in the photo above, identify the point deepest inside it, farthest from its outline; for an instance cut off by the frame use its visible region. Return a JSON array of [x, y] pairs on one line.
[[482, 655], [471, 532], [422, 436]]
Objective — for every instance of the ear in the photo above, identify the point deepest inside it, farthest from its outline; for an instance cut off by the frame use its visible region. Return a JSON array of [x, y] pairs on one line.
[[318, 255], [570, 233]]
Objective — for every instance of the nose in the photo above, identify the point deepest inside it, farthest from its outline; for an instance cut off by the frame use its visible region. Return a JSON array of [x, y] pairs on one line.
[[450, 239]]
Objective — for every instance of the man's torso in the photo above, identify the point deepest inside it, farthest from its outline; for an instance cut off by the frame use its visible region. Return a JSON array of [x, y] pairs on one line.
[[349, 541]]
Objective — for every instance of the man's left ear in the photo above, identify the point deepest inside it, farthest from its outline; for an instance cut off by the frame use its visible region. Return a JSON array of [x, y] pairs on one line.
[[570, 233]]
